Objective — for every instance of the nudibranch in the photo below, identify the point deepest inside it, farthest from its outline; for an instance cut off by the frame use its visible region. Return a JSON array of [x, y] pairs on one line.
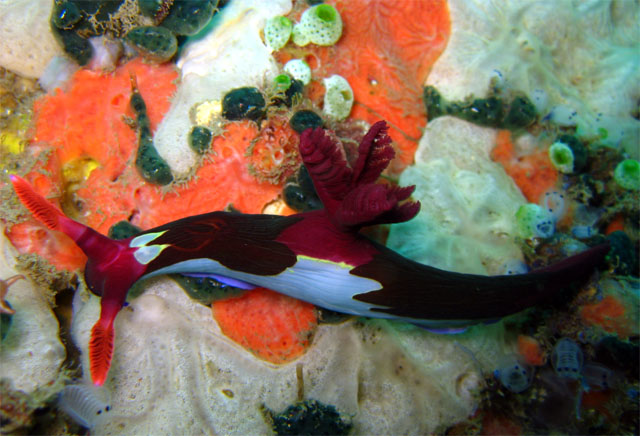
[[316, 256]]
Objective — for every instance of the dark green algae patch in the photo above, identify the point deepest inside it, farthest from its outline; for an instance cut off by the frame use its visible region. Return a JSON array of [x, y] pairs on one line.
[[494, 111]]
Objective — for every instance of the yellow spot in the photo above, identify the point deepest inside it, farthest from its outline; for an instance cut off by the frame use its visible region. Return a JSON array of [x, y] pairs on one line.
[[206, 112], [78, 170], [11, 143]]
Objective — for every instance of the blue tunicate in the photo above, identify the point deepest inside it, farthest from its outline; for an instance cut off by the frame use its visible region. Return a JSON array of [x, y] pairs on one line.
[[582, 232], [534, 221], [567, 359], [514, 375], [597, 377], [553, 202], [84, 403], [515, 266]]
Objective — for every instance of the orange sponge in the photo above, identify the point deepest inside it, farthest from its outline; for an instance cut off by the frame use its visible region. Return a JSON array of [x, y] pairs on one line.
[[609, 313], [272, 326], [531, 351], [534, 174]]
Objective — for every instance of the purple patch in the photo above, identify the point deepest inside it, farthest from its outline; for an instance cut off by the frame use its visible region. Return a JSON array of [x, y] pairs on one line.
[[225, 280]]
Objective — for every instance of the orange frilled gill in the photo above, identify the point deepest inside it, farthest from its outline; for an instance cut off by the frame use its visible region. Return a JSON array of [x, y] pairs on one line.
[[89, 174]]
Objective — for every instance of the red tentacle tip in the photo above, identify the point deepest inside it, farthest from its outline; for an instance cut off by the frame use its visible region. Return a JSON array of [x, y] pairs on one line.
[[100, 351]]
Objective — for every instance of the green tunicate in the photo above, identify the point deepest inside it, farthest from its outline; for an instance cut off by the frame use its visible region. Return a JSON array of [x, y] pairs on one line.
[[5, 322], [286, 89], [293, 94], [277, 32], [338, 98], [522, 113], [152, 167], [578, 149], [153, 43], [305, 119], [534, 221], [123, 230], [200, 139], [622, 255], [320, 24], [298, 69], [310, 417], [627, 174], [435, 105], [299, 194], [75, 46], [561, 157], [243, 103], [282, 82], [487, 112], [206, 290], [65, 15], [189, 17], [150, 7]]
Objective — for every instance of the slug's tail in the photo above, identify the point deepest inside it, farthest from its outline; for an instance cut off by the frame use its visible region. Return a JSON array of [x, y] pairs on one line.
[[101, 351], [110, 271]]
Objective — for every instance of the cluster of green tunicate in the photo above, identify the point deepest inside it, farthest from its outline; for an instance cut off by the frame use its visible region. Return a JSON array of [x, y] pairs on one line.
[[288, 91], [74, 21], [200, 139], [627, 174], [243, 103], [493, 111], [151, 166], [534, 222], [277, 32], [153, 43], [338, 98], [320, 25]]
